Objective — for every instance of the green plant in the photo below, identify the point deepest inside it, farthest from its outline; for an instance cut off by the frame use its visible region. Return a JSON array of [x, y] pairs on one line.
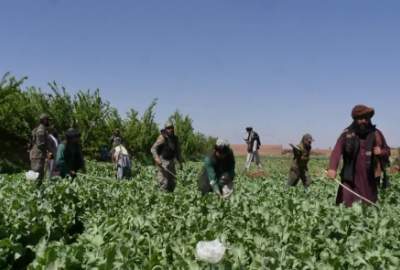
[[87, 111], [98, 222]]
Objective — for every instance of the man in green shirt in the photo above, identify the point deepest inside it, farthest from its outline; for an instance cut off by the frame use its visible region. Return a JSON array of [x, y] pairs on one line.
[[219, 170], [299, 168], [69, 155]]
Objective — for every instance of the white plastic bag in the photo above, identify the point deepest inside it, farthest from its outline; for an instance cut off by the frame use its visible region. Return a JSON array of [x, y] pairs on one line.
[[31, 176], [210, 252]]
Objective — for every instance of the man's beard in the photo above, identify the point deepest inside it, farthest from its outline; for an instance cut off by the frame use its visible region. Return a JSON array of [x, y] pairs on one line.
[[307, 146], [363, 130]]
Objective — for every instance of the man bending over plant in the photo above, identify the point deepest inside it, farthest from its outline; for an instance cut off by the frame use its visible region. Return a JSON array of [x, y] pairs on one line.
[[219, 170]]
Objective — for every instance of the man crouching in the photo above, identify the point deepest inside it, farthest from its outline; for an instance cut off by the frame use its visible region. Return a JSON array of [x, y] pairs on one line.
[[219, 170]]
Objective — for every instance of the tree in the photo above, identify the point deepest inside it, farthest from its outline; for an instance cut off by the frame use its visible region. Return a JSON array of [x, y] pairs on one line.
[[14, 128], [94, 117], [193, 145], [141, 133]]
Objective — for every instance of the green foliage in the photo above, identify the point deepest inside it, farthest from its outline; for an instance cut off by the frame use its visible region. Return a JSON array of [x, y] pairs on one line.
[[96, 223], [87, 111], [141, 132], [193, 145], [15, 124], [93, 118]]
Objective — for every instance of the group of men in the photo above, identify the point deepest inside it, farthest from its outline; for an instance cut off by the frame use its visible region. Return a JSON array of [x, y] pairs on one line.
[[52, 157], [364, 153], [219, 166], [362, 147]]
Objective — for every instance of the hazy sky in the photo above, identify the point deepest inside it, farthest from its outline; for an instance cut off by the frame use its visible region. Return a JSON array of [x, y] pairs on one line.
[[285, 67]]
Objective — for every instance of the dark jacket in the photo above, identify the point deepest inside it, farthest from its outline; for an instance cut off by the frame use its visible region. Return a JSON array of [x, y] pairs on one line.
[[251, 140], [351, 150], [167, 148], [69, 158]]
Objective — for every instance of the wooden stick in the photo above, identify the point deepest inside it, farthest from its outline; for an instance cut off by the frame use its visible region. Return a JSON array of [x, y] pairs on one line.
[[355, 193], [168, 171]]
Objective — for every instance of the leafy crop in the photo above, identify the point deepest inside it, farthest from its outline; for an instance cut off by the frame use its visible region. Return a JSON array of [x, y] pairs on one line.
[[95, 223]]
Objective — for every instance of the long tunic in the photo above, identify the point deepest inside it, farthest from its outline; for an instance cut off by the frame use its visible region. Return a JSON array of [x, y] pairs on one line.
[[69, 161], [365, 183]]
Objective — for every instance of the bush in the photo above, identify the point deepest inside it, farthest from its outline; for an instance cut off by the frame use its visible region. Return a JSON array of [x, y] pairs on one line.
[[94, 117], [193, 144]]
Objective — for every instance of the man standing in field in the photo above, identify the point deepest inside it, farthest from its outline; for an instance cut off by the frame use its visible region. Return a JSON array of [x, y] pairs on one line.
[[219, 170], [116, 136], [253, 145], [40, 146], [165, 151], [299, 168], [363, 147], [120, 157], [52, 152], [69, 155]]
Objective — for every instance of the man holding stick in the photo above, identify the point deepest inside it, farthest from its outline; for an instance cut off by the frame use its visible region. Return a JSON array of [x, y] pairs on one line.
[[363, 147], [165, 151]]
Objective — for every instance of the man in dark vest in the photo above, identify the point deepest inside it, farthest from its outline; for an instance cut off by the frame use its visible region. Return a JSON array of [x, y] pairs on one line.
[[165, 151], [364, 150], [299, 168], [40, 146], [219, 170], [70, 158], [253, 145]]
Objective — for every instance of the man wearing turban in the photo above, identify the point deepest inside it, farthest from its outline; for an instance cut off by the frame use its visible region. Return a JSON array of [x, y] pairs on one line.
[[363, 148]]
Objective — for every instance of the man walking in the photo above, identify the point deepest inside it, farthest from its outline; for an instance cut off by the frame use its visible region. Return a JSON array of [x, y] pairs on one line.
[[120, 157], [166, 151], [362, 147], [299, 168], [253, 145]]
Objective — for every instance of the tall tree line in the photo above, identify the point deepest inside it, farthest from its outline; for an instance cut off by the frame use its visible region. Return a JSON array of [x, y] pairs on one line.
[[87, 111]]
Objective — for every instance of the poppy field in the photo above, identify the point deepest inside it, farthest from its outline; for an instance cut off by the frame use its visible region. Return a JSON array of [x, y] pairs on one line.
[[96, 222]]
